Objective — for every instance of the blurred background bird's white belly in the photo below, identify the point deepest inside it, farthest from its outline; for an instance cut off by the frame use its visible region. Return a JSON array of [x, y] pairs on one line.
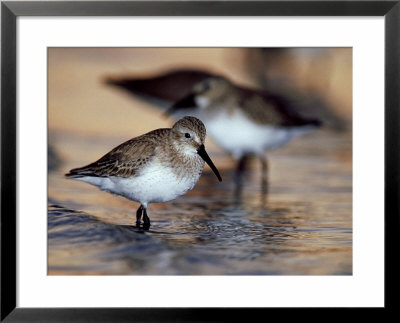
[[239, 135]]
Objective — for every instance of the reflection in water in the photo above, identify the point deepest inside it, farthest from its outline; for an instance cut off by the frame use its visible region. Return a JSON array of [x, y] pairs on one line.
[[305, 227]]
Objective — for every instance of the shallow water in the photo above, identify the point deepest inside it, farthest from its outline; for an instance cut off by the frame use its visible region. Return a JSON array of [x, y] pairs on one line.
[[302, 226]]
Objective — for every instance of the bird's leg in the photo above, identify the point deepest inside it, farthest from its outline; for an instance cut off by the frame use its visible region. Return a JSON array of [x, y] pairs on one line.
[[139, 215], [264, 174], [240, 169], [146, 219]]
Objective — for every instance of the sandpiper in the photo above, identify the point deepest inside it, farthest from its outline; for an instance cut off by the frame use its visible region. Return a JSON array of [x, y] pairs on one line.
[[243, 121], [158, 166]]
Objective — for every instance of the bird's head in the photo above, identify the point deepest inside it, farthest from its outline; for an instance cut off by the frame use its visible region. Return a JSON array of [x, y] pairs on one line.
[[188, 135], [204, 94]]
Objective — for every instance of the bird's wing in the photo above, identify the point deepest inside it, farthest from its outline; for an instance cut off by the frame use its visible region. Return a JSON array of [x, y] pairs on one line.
[[124, 160], [163, 89], [267, 108]]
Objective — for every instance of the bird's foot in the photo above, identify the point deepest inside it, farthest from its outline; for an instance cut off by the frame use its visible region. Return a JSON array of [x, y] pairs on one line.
[[146, 223], [145, 226]]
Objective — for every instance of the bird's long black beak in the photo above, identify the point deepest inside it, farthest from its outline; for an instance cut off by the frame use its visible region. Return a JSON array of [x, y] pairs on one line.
[[203, 154], [185, 103]]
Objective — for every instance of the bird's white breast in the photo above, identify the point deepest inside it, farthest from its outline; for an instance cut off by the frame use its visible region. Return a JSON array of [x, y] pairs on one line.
[[154, 183]]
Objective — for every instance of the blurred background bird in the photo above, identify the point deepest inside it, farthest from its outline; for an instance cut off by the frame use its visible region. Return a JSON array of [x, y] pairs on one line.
[[243, 121]]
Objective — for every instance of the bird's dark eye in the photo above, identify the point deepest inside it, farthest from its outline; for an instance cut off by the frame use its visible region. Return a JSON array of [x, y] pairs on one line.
[[206, 87], [187, 135]]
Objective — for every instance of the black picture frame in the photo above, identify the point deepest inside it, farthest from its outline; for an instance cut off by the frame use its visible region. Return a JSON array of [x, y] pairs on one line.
[[11, 10]]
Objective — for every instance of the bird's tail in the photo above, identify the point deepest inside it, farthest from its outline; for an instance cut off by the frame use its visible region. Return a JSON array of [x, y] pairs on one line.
[[79, 172]]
